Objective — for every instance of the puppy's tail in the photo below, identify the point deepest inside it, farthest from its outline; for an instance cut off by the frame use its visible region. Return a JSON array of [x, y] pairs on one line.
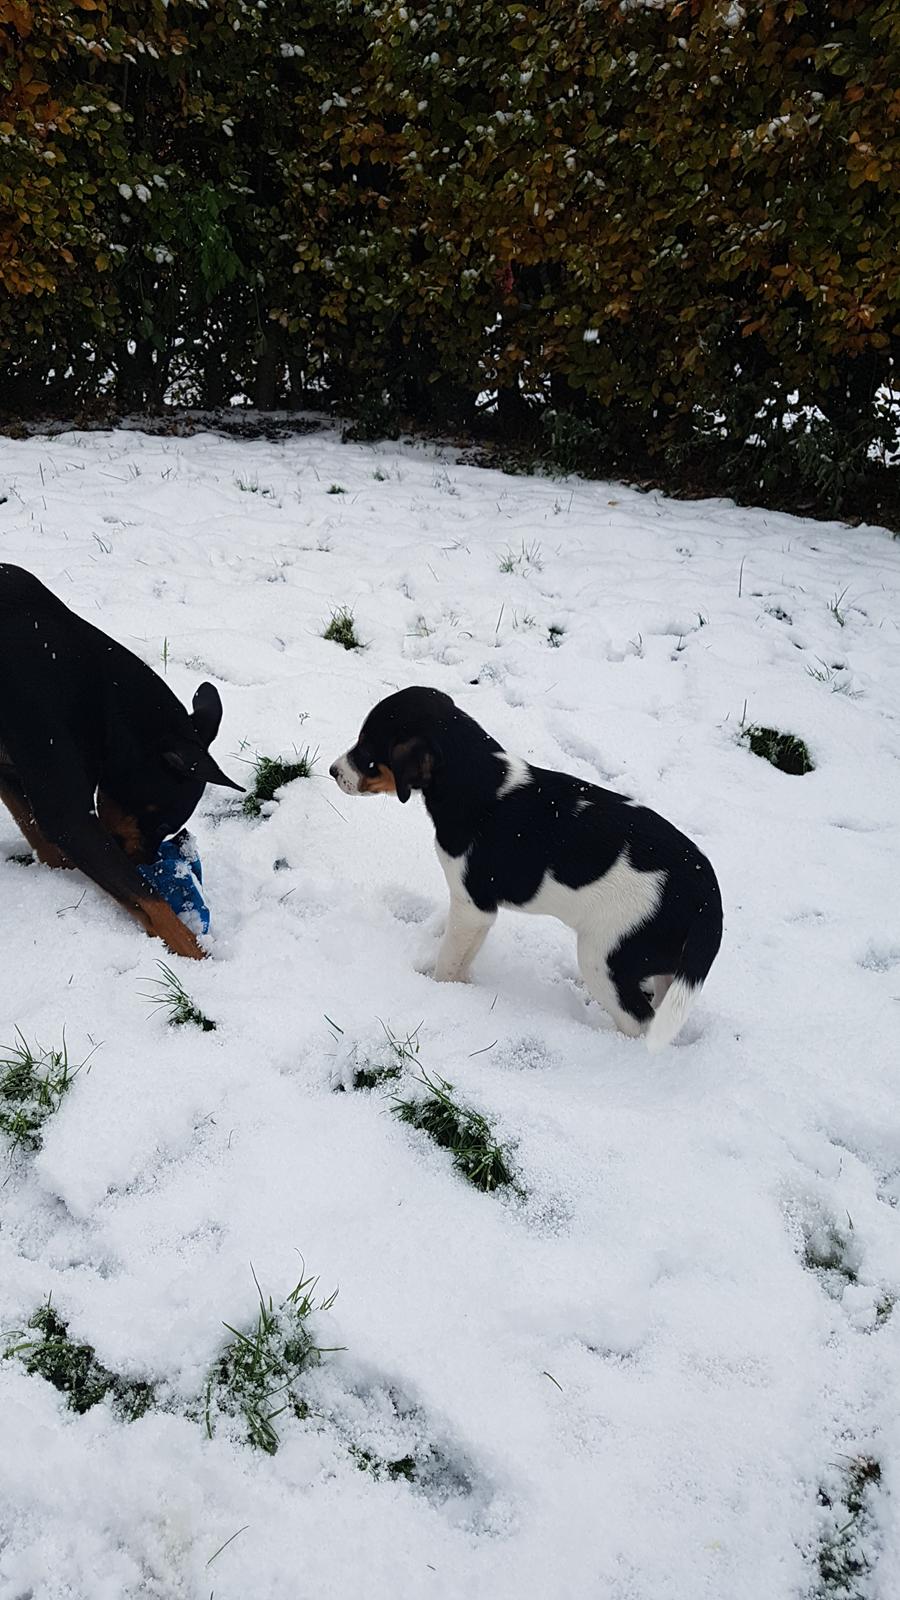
[[700, 950]]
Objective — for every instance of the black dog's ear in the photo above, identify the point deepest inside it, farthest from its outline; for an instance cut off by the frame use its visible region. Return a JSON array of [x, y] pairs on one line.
[[183, 760], [207, 713], [411, 766], [190, 761], [210, 772]]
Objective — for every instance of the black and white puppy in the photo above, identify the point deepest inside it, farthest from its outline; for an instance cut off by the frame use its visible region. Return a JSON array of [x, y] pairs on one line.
[[642, 899]]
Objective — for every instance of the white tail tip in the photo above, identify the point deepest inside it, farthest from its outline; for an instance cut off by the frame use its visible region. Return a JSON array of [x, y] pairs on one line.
[[674, 1007]]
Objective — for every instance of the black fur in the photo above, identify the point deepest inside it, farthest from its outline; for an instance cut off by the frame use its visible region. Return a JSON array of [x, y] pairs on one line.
[[85, 727]]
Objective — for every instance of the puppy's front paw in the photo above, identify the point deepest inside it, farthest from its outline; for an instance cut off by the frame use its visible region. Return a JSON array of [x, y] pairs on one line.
[[442, 973]]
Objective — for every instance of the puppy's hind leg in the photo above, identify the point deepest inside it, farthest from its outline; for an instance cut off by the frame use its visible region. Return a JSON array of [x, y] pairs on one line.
[[656, 988], [467, 929], [630, 1012]]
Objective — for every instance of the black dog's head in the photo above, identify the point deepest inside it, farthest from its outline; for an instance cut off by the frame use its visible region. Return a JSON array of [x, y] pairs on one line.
[[157, 793], [399, 745]]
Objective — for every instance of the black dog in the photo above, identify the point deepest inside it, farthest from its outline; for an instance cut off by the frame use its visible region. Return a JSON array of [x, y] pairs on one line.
[[98, 760], [642, 899]]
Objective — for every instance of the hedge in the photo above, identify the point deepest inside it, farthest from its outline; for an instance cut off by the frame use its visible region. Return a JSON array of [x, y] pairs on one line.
[[649, 236]]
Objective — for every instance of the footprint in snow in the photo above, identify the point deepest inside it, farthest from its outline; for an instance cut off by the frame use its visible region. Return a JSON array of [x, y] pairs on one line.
[[527, 1053], [879, 958], [832, 1251], [406, 905], [391, 1435], [514, 696]]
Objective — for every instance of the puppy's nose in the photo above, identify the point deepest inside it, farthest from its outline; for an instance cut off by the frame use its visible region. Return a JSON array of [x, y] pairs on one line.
[[333, 770]]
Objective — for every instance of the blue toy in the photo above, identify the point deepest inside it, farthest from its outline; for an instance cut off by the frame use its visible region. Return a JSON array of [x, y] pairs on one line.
[[176, 875]]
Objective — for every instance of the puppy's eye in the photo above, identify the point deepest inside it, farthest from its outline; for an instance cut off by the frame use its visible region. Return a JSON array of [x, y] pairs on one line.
[[372, 767]]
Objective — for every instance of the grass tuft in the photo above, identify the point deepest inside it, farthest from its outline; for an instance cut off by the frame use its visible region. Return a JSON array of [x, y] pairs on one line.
[[401, 1053], [257, 1377], [477, 1155], [785, 751], [32, 1084], [252, 486], [835, 677], [174, 998], [342, 629], [74, 1370], [368, 1071], [526, 559], [843, 1561], [555, 635], [464, 1132], [884, 1308], [271, 773], [335, 488]]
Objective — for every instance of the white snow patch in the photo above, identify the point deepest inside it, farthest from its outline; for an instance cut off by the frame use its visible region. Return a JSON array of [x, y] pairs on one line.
[[632, 1369]]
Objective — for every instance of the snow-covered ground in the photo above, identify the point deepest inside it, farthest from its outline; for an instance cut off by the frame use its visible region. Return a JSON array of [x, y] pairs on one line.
[[634, 1380]]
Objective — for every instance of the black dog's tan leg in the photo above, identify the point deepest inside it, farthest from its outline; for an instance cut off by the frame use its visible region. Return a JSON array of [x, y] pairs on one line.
[[160, 921], [14, 799], [63, 831], [87, 845]]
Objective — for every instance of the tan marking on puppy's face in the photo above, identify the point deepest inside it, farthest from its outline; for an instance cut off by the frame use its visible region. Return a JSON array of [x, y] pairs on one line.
[[383, 784]]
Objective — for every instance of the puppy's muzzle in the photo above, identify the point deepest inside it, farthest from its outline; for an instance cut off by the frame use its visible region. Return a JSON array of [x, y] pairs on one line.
[[345, 775]]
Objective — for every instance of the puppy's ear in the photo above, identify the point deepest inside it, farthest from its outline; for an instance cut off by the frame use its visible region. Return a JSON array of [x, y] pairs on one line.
[[411, 766], [207, 713]]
